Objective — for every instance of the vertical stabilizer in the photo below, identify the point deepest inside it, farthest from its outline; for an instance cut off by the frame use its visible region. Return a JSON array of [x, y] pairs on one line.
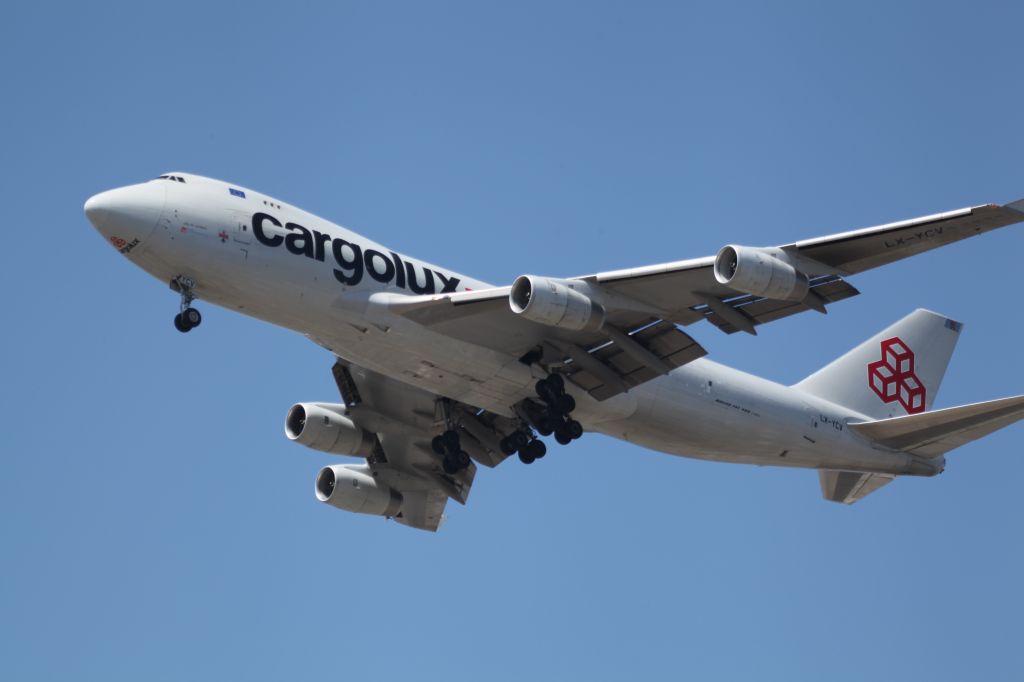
[[896, 372]]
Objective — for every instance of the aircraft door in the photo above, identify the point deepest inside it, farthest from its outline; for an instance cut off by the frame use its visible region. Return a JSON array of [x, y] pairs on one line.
[[241, 230]]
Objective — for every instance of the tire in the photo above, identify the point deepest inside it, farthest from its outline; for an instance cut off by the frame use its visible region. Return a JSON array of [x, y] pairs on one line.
[[546, 426], [556, 383], [536, 449], [451, 439], [544, 391], [192, 318], [575, 429], [566, 403], [437, 445], [507, 448], [524, 457], [462, 459], [520, 440], [562, 437], [450, 466], [180, 325]]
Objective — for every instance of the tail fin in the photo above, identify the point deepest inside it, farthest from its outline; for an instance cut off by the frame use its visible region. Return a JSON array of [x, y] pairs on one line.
[[896, 372]]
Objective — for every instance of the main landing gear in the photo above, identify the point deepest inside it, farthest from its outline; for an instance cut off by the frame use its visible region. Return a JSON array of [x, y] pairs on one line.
[[454, 458], [529, 448], [188, 318], [554, 417], [550, 417]]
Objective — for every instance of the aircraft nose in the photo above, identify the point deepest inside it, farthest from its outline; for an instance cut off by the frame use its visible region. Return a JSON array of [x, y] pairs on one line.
[[98, 209], [127, 212]]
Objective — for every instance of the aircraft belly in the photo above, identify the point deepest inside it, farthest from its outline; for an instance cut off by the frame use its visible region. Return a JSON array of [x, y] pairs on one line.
[[706, 411], [457, 370]]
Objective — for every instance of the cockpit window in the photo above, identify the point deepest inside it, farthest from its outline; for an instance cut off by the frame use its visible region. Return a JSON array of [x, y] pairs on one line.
[[175, 178]]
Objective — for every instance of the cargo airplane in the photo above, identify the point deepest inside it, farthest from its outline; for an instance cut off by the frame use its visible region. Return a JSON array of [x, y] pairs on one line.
[[439, 373]]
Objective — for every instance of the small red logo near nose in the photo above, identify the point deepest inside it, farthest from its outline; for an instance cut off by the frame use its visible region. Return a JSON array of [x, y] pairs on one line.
[[893, 379], [118, 243]]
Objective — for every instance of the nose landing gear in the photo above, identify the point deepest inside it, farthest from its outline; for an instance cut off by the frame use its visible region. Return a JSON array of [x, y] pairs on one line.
[[188, 318]]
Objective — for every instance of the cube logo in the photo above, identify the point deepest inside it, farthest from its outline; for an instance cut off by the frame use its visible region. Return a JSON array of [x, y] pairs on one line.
[[893, 378]]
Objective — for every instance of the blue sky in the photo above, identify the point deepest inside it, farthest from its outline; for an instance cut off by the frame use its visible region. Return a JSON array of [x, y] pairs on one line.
[[155, 521]]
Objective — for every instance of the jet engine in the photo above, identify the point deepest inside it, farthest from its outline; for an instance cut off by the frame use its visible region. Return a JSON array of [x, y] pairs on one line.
[[554, 303], [759, 272], [353, 488], [324, 427]]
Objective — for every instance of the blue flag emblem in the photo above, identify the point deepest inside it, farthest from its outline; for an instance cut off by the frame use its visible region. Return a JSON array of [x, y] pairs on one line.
[[236, 192]]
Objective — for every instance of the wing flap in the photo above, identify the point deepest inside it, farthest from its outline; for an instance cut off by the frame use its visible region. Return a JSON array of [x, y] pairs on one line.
[[666, 342], [423, 509], [828, 289]]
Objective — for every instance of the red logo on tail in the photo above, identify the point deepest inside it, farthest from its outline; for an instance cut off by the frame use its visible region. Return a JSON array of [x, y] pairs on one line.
[[893, 378]]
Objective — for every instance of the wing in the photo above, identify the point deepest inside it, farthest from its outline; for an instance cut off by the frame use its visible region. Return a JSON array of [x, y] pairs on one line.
[[640, 339], [632, 347], [405, 419]]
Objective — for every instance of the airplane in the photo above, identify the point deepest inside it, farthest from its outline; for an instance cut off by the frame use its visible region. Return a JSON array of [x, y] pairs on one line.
[[439, 372]]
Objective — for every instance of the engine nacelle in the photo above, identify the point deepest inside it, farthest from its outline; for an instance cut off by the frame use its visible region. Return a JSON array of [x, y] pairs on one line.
[[324, 427], [554, 303], [353, 488], [759, 272]]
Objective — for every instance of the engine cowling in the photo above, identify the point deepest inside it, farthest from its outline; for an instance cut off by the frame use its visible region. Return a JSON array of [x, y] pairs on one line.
[[324, 427], [554, 303], [353, 488], [759, 272]]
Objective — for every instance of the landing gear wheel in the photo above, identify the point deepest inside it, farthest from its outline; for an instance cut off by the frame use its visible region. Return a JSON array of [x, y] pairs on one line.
[[565, 403], [520, 440], [556, 383], [507, 448], [449, 465], [536, 449], [451, 439], [543, 389], [437, 444], [462, 459], [575, 429], [546, 426], [191, 317], [188, 318], [562, 436], [525, 457]]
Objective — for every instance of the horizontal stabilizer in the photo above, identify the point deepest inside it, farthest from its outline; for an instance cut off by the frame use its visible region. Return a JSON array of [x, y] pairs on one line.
[[931, 434], [849, 486]]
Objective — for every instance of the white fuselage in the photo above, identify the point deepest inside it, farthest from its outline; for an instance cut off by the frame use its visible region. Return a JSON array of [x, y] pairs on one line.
[[249, 252]]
